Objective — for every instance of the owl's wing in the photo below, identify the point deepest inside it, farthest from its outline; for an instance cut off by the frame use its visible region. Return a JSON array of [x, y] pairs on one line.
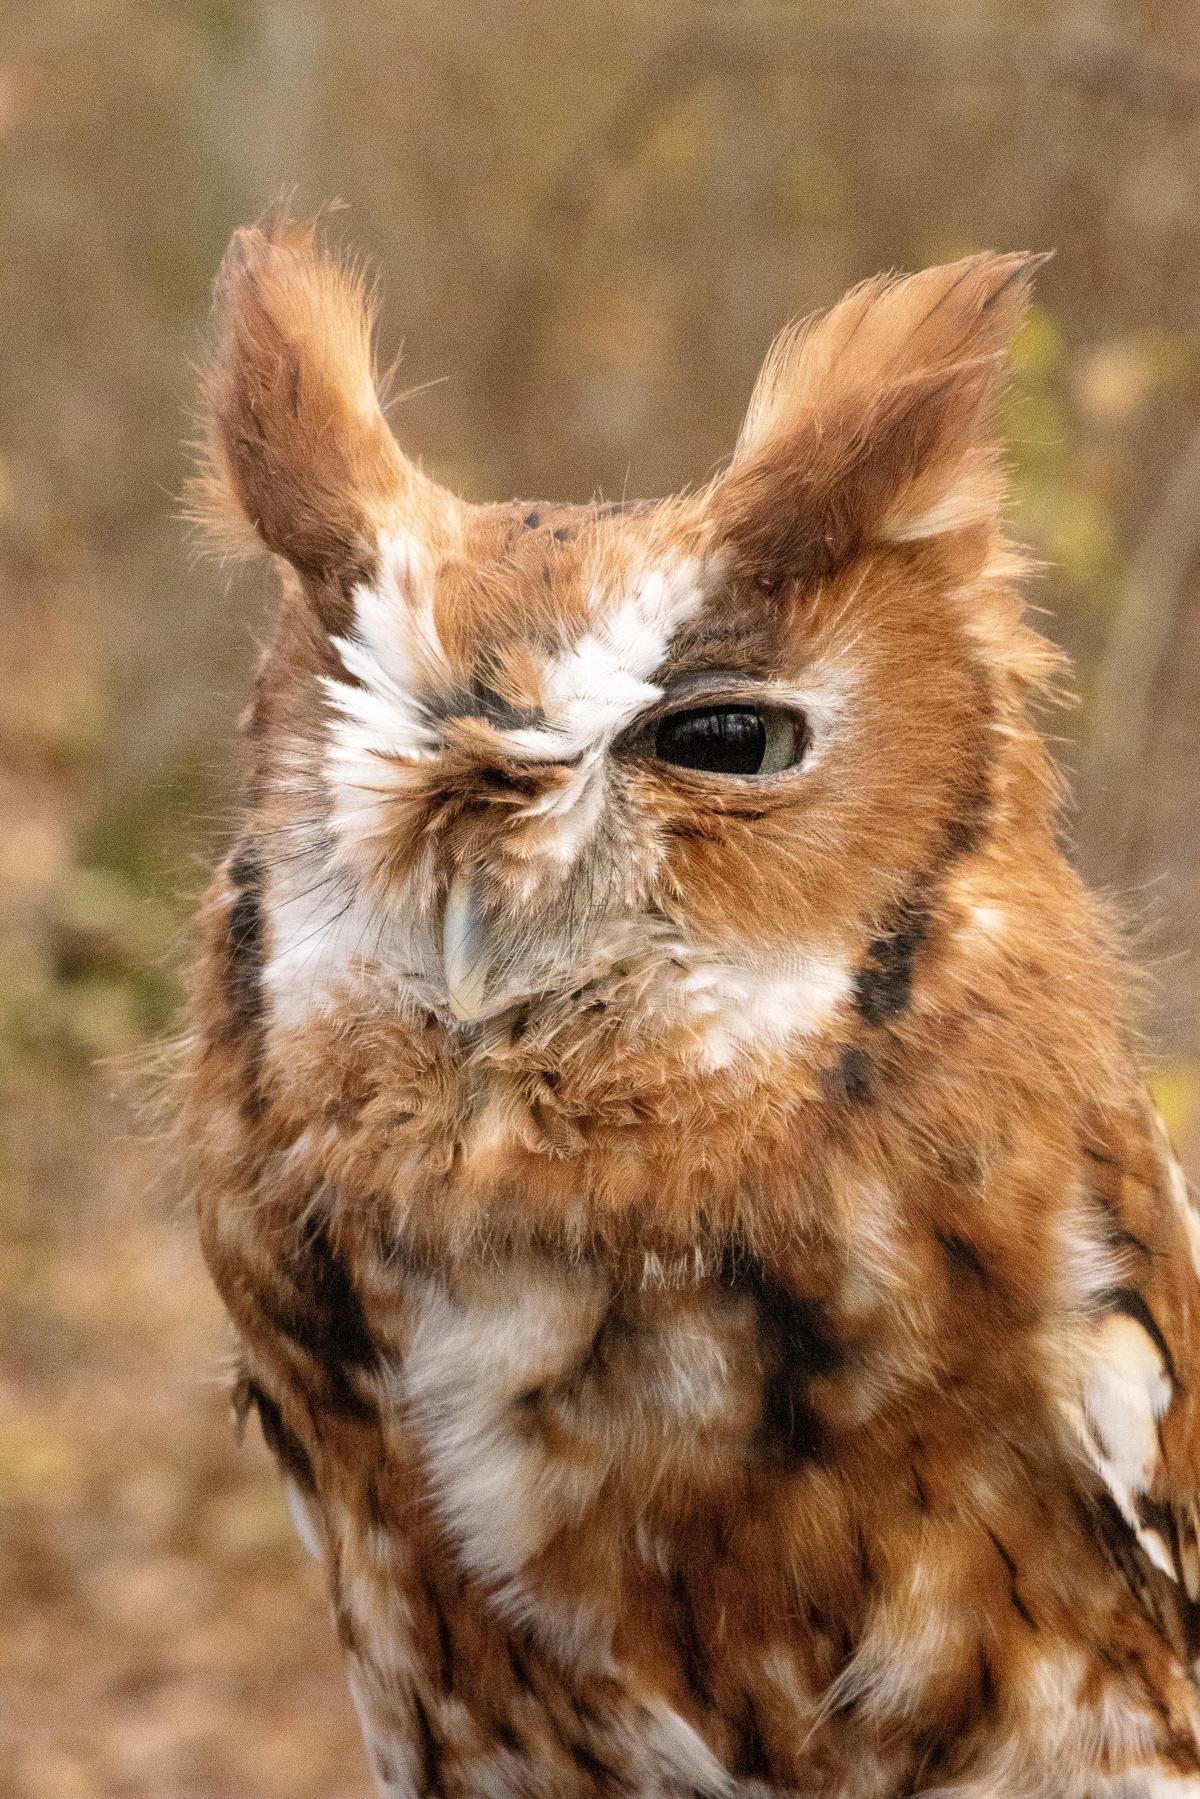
[[1134, 1401]]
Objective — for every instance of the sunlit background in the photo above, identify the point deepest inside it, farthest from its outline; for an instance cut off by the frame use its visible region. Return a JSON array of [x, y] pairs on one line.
[[588, 222]]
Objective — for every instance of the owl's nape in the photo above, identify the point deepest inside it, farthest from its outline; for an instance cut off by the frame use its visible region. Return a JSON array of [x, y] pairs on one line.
[[661, 1107]]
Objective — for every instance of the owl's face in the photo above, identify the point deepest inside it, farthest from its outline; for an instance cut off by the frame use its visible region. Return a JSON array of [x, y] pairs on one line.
[[690, 754]]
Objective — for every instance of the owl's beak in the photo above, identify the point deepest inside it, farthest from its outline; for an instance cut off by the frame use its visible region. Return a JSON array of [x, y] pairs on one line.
[[467, 950]]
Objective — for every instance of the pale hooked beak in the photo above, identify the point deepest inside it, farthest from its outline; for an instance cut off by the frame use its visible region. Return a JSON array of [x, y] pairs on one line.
[[466, 950]]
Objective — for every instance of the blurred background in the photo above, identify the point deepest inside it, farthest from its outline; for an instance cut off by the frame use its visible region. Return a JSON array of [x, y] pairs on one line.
[[588, 223]]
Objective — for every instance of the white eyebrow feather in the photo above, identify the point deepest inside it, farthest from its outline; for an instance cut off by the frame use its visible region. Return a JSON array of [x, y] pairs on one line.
[[595, 688]]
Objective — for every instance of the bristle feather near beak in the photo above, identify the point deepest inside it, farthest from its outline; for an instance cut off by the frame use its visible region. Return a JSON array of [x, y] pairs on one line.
[[466, 950]]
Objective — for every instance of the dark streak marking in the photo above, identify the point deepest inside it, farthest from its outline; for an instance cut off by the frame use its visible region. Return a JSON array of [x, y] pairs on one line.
[[243, 971], [1154, 1515], [506, 1734], [378, 1513], [584, 1758], [751, 1761], [883, 988], [431, 1755], [963, 1257], [445, 1642], [853, 1074], [987, 1685], [242, 974], [317, 1309], [612, 1329], [797, 1346], [519, 1666], [1118, 1235], [866, 1568], [966, 832], [1018, 1604], [696, 1671], [343, 1333], [283, 1443]]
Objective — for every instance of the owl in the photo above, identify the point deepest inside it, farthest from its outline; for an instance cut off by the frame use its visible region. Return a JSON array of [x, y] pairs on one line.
[[660, 1103]]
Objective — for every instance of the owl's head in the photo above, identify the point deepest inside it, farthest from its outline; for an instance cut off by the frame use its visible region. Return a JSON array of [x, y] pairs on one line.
[[699, 752]]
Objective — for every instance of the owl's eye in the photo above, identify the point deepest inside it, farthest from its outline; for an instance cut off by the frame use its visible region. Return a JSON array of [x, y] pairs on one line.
[[731, 740]]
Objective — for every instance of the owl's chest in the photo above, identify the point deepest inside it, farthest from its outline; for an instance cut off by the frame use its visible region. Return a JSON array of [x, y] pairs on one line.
[[553, 1408]]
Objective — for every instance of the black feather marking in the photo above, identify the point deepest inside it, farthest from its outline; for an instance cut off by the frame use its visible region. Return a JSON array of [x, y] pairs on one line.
[[431, 1754], [606, 1778], [853, 1074], [242, 973], [445, 1642], [883, 987], [283, 1442], [751, 1761], [1018, 1604], [243, 966], [315, 1307], [987, 1685], [798, 1344], [696, 1670]]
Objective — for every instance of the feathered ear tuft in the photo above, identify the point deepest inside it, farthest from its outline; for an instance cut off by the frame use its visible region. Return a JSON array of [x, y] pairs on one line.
[[296, 451], [869, 423]]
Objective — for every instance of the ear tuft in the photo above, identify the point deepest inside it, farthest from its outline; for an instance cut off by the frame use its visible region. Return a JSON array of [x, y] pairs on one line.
[[869, 422], [295, 448]]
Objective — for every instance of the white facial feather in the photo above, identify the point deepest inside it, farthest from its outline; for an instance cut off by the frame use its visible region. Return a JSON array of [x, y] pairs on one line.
[[737, 1009], [326, 934], [597, 687], [380, 730]]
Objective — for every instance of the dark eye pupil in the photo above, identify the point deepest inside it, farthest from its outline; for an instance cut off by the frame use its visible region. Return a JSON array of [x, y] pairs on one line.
[[727, 740]]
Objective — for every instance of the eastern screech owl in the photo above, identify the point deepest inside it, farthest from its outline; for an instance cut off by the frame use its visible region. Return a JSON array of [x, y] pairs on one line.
[[660, 1108]]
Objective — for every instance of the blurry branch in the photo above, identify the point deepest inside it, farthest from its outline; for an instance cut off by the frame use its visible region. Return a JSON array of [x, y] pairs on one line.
[[1132, 670], [719, 43]]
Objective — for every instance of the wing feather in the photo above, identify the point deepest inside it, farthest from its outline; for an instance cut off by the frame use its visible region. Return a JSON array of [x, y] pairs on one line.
[[1133, 1404]]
